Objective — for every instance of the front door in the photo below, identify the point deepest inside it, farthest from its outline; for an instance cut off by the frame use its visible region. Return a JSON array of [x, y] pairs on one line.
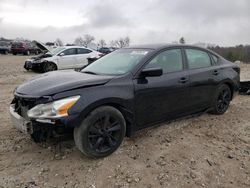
[[67, 58], [164, 97]]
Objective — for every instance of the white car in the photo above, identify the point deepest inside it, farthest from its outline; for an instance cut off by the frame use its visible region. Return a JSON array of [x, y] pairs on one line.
[[66, 57]]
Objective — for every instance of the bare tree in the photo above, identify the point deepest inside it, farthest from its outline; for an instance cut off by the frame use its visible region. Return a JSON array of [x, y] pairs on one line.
[[59, 42], [112, 43], [122, 42], [127, 41], [79, 41], [88, 39], [182, 40], [102, 43]]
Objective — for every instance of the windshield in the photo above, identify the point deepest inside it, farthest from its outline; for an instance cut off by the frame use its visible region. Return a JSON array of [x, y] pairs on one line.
[[54, 51], [117, 63]]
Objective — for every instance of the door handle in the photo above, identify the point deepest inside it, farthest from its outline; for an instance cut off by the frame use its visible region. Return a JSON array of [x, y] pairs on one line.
[[183, 80], [215, 72]]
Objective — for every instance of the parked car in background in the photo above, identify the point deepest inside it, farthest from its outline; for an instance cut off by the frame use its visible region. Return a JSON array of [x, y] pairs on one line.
[[106, 50], [4, 47], [52, 44], [67, 57], [123, 92], [25, 48]]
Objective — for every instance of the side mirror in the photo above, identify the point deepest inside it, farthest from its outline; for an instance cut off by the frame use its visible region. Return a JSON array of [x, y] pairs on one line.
[[61, 54], [151, 72]]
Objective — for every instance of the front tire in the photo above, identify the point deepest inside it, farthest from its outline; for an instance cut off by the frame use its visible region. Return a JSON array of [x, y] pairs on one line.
[[222, 100], [49, 66], [101, 133]]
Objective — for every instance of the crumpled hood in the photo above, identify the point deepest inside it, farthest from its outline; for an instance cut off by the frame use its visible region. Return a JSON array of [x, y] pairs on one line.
[[59, 81], [42, 47]]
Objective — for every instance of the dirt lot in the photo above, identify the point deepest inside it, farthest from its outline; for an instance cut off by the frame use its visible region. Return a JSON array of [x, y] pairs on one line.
[[205, 151]]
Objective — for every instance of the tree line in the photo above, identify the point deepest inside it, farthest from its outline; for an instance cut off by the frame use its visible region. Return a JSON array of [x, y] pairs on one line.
[[88, 39], [239, 52], [235, 53]]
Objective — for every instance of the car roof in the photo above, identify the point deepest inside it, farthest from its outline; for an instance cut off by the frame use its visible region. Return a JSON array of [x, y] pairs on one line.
[[160, 46], [68, 47]]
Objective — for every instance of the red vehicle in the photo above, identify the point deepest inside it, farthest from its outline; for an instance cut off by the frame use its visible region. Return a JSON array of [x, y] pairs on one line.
[[25, 48]]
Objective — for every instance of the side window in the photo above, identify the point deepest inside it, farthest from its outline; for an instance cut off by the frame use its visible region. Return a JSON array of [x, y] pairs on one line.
[[71, 51], [169, 61], [83, 51], [197, 59]]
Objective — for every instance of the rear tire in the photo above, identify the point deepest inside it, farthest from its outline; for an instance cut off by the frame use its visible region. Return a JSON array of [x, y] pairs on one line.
[[222, 100], [101, 132]]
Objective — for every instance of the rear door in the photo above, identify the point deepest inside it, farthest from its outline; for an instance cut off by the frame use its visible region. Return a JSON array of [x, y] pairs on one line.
[[164, 97], [203, 78], [68, 59], [82, 57]]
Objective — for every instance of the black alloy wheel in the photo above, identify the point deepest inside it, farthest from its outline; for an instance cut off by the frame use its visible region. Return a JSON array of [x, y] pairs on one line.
[[104, 134], [101, 133], [48, 66], [223, 100]]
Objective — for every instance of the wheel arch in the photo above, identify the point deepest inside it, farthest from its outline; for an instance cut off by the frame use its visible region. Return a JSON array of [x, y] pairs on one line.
[[49, 61], [127, 114], [230, 85]]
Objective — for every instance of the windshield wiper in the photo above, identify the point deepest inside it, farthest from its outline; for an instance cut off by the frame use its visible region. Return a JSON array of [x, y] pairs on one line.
[[89, 72]]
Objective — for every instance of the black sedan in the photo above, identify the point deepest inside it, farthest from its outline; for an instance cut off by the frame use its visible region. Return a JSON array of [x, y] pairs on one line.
[[123, 92]]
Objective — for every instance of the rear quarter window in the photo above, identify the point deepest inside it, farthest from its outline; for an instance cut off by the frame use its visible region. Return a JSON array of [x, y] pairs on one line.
[[197, 59]]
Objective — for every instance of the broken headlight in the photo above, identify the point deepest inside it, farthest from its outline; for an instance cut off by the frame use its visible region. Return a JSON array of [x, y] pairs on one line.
[[54, 109]]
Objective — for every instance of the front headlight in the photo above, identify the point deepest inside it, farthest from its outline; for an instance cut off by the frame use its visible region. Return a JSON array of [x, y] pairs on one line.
[[54, 109]]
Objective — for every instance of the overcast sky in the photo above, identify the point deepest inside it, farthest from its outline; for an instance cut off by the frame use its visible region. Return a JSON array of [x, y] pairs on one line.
[[223, 22]]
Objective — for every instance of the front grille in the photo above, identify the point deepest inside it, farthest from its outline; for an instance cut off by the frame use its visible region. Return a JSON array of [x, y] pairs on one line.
[[22, 105]]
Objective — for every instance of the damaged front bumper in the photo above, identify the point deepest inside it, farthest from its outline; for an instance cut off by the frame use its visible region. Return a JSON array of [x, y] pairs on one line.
[[40, 130], [19, 122], [31, 65]]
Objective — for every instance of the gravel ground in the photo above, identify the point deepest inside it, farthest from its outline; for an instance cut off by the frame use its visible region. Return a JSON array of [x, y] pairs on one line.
[[205, 151]]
